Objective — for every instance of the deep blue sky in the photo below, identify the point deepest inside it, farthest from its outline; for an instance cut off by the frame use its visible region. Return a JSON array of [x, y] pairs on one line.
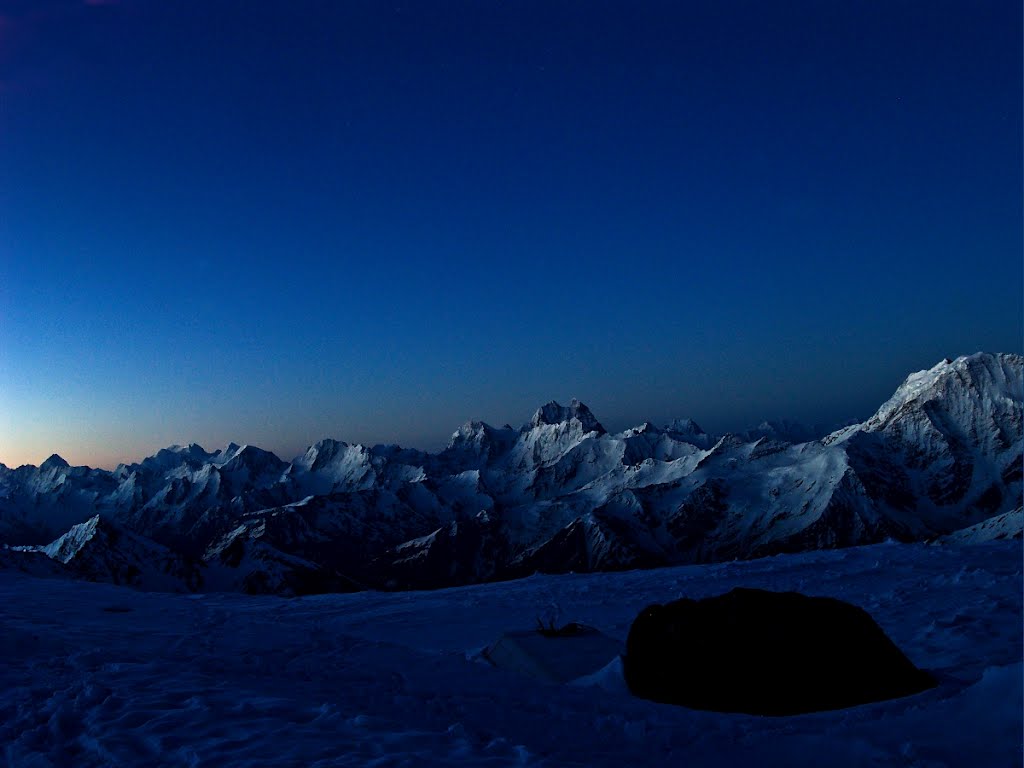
[[275, 222]]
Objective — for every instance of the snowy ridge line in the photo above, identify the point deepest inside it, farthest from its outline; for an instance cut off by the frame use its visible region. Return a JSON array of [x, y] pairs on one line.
[[943, 454]]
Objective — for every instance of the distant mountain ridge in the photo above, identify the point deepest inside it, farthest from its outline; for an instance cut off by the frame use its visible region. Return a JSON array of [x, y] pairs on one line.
[[943, 454]]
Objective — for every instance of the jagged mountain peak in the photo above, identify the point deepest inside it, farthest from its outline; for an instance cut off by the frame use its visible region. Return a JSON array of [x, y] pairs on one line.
[[641, 429], [473, 430], [102, 550], [948, 455], [477, 442], [227, 453], [325, 451], [252, 459], [684, 427], [192, 449], [251, 452], [554, 413], [68, 545], [173, 456], [984, 374], [54, 462], [689, 431], [472, 426], [327, 445], [786, 430], [470, 432]]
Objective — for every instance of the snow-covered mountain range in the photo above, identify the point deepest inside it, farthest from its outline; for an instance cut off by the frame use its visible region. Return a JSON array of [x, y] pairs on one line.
[[559, 494]]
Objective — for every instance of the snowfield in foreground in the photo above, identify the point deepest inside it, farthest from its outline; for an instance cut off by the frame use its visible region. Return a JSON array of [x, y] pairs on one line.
[[97, 675]]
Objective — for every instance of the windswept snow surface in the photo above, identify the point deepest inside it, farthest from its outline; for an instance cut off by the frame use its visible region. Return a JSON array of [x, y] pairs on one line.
[[97, 675]]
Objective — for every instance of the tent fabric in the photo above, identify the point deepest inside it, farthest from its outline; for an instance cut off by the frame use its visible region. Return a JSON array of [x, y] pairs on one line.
[[766, 653], [554, 657]]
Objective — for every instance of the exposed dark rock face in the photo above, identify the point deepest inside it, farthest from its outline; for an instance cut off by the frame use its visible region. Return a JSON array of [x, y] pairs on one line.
[[101, 550], [465, 551], [765, 653], [697, 517]]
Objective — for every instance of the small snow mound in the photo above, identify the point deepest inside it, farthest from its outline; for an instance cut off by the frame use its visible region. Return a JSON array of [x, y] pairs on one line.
[[610, 678]]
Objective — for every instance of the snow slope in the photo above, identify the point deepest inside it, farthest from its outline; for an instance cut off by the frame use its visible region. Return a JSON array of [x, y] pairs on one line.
[[1006, 526], [96, 675]]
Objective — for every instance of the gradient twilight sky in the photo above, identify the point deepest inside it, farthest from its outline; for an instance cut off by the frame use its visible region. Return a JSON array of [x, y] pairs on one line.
[[272, 222]]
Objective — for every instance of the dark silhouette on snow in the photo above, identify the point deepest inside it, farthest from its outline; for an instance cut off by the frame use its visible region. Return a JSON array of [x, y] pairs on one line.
[[765, 653]]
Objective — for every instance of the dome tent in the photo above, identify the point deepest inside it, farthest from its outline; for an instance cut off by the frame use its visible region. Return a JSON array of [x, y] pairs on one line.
[[765, 653]]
